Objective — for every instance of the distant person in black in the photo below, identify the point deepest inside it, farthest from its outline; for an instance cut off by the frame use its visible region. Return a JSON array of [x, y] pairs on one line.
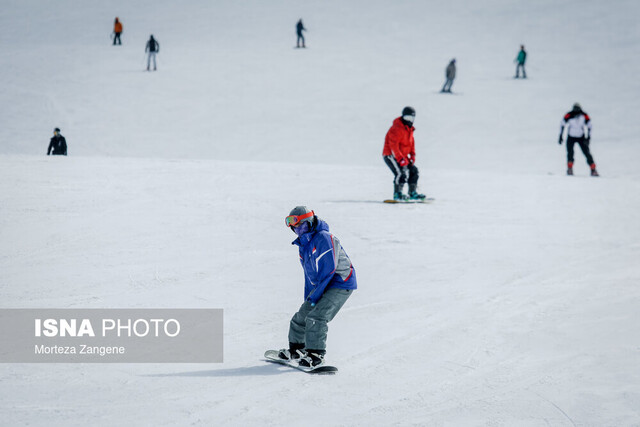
[[299, 29], [153, 47], [58, 144], [450, 74]]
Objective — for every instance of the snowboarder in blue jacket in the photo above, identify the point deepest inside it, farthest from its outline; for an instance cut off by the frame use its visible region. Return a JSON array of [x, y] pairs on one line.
[[329, 280]]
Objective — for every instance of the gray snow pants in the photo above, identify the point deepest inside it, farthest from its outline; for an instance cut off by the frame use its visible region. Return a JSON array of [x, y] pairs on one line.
[[447, 85], [152, 55], [309, 324]]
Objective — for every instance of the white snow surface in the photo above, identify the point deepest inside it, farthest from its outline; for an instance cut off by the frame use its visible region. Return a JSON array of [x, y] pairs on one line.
[[513, 300]]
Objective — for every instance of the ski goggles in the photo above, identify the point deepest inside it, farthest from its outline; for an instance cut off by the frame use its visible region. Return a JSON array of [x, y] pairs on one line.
[[295, 220]]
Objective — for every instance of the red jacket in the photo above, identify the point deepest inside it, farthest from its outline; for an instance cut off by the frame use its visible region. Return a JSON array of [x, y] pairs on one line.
[[399, 141]]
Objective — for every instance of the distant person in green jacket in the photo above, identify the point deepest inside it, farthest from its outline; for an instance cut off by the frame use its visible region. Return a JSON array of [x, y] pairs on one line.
[[520, 60]]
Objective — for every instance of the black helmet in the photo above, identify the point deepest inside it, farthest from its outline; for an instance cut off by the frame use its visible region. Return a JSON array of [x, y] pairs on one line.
[[408, 111], [56, 130], [577, 107], [408, 115]]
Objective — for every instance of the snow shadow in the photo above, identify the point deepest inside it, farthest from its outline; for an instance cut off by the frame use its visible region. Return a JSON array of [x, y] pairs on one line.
[[356, 201], [265, 370]]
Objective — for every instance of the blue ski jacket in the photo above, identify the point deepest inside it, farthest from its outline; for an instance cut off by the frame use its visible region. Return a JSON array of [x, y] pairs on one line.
[[324, 261]]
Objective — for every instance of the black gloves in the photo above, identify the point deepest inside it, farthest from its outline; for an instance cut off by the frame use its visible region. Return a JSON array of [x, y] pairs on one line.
[[560, 139]]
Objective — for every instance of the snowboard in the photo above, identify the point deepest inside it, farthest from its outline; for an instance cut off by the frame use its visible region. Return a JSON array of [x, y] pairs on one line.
[[272, 356], [427, 200]]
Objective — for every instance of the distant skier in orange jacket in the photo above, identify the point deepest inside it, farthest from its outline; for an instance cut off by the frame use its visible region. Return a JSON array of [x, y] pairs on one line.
[[117, 30]]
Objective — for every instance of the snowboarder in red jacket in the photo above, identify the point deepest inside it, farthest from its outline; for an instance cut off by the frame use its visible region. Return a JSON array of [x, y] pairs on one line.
[[399, 154]]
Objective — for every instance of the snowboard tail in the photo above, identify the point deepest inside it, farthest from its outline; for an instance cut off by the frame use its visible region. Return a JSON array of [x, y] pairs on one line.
[[272, 357]]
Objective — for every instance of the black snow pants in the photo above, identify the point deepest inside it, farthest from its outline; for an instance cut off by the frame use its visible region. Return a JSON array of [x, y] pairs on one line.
[[584, 146], [401, 175]]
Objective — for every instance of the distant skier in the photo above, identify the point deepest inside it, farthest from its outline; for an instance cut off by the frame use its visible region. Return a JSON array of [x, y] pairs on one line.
[[153, 47], [399, 154], [520, 60], [576, 122], [117, 30], [450, 74], [58, 144], [299, 29], [329, 280]]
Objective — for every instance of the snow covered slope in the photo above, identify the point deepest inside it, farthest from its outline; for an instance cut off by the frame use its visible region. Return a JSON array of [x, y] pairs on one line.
[[230, 86], [512, 300]]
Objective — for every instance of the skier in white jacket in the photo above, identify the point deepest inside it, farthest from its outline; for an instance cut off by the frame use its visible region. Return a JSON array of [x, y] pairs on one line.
[[577, 121]]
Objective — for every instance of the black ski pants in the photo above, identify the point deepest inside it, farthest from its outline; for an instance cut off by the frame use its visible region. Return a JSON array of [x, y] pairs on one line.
[[116, 37], [402, 175], [584, 146], [524, 73]]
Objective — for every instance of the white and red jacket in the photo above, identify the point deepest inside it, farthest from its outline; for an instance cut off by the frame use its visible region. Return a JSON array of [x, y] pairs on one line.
[[576, 122]]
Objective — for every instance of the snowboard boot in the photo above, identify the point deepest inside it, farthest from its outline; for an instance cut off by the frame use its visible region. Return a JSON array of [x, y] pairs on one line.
[[312, 359], [570, 168], [594, 172], [413, 193], [295, 351], [397, 192]]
